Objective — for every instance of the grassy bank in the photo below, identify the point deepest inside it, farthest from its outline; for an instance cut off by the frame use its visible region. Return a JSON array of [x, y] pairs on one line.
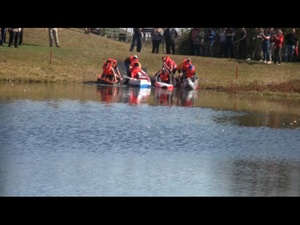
[[81, 56]]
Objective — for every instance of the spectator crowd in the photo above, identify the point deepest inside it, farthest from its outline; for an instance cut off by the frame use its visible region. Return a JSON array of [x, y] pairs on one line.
[[267, 45]]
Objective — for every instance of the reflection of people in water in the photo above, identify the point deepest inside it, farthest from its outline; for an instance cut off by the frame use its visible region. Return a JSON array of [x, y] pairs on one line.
[[133, 96], [163, 97], [187, 98], [109, 93], [138, 95]]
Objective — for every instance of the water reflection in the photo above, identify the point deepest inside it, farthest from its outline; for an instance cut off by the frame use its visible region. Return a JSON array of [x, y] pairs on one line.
[[135, 96], [110, 94], [253, 110]]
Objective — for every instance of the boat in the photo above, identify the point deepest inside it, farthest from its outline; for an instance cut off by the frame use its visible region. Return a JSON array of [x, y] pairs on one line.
[[163, 85], [189, 84], [143, 81], [140, 82]]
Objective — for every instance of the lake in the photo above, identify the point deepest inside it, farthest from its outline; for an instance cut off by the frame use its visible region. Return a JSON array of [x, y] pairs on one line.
[[84, 140]]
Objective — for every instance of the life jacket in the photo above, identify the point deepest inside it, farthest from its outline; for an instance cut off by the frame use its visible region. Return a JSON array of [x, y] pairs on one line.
[[164, 76], [135, 61], [184, 65], [108, 68], [190, 71], [134, 71], [169, 62]]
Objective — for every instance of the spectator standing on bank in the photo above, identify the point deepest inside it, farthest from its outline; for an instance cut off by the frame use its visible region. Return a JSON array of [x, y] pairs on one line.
[[170, 36], [291, 42], [278, 40], [266, 35], [272, 33], [222, 41], [229, 50], [3, 36], [192, 35], [257, 40], [209, 40], [21, 36], [137, 39], [156, 37], [198, 42], [87, 30], [14, 34], [242, 42], [53, 36]]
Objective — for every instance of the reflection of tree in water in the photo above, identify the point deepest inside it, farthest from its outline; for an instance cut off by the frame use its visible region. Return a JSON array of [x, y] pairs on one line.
[[264, 178]]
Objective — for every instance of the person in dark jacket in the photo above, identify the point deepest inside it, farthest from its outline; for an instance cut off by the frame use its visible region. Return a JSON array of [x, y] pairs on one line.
[[137, 39], [290, 42], [170, 36]]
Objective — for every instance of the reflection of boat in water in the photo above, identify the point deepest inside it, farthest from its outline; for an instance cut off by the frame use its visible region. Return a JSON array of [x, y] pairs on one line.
[[163, 97], [186, 97], [138, 95], [110, 93]]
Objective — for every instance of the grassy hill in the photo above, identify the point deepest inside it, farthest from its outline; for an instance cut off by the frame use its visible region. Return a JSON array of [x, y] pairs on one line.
[[81, 57]]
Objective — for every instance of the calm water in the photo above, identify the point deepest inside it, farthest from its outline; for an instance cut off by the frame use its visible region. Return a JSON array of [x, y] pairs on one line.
[[80, 140]]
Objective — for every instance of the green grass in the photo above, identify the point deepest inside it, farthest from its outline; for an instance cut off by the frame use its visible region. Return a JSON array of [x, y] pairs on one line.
[[81, 57]]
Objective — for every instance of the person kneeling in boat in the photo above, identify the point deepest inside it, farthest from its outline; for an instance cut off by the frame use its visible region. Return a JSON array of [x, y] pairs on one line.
[[182, 68], [190, 73], [129, 63], [163, 76], [137, 72], [111, 70], [169, 64]]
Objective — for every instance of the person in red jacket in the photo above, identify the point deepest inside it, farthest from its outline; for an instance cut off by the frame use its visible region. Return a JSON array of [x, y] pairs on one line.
[[190, 72], [137, 72], [278, 40], [129, 62], [170, 64], [163, 76], [110, 70], [182, 67]]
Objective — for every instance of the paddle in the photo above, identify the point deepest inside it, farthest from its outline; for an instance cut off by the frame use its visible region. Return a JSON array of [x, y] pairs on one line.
[[127, 77], [118, 73]]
